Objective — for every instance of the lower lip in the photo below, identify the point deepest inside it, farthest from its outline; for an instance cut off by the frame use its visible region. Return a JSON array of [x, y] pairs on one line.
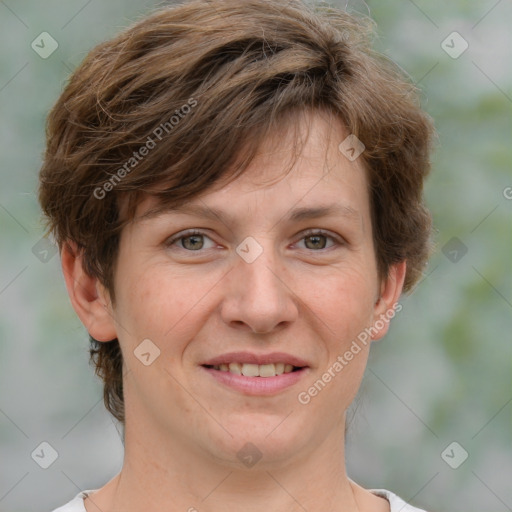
[[257, 385]]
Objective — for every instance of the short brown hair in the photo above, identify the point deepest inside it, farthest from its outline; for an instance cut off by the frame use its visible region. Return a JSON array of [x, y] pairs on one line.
[[217, 76]]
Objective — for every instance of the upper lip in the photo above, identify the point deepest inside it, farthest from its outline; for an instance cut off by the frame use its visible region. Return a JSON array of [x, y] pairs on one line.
[[251, 358]]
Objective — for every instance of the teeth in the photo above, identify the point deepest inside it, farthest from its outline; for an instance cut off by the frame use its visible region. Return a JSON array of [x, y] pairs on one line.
[[250, 370], [267, 370], [255, 370], [235, 368]]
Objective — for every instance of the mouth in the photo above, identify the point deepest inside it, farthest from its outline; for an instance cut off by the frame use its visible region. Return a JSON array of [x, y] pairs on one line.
[[253, 374], [255, 370]]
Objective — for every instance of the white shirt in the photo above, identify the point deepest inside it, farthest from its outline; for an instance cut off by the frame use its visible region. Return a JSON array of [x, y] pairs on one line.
[[396, 504]]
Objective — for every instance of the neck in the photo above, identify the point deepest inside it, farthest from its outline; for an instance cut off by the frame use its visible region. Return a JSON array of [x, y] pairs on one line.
[[167, 476]]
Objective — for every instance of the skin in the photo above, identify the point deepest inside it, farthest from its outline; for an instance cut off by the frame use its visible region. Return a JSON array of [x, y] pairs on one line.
[[304, 296]]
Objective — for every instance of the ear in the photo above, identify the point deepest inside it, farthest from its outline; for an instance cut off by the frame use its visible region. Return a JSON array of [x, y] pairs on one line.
[[387, 304], [89, 298]]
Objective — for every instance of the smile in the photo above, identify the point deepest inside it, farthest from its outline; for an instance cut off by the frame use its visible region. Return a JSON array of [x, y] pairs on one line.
[[255, 370], [256, 374]]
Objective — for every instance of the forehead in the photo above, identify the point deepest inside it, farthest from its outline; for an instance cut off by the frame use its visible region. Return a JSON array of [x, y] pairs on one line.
[[298, 162]]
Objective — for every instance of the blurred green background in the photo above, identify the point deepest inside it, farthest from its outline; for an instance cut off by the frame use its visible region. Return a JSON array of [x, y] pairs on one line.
[[443, 373]]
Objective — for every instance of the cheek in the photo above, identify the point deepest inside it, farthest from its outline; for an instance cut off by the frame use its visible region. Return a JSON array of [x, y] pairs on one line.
[[343, 301], [161, 304], [343, 305]]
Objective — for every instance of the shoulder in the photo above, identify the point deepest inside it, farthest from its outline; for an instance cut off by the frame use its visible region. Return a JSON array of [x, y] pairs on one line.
[[396, 503], [76, 504]]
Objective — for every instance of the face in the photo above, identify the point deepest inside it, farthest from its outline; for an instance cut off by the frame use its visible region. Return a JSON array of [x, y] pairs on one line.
[[284, 273]]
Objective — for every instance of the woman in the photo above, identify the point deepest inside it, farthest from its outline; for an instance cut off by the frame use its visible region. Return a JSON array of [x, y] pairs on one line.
[[236, 190]]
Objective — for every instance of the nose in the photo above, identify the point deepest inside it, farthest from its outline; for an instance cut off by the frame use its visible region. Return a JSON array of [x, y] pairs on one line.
[[258, 295]]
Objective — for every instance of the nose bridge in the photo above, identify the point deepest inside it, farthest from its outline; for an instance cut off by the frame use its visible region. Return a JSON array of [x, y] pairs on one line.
[[261, 272], [258, 296], [257, 268]]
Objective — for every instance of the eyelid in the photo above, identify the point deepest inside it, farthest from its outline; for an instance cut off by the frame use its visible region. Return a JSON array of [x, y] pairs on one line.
[[308, 232], [317, 231], [184, 234]]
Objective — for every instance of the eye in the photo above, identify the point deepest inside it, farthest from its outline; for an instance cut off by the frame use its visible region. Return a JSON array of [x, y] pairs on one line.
[[192, 240], [317, 239]]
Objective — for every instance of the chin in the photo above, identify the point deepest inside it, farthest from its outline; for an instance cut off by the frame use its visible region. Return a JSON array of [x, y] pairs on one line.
[[265, 440]]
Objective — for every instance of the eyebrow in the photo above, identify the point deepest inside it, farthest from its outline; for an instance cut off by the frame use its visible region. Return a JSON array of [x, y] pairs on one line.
[[294, 215]]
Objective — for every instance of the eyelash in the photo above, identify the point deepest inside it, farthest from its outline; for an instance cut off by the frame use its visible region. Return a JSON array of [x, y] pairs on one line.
[[306, 234]]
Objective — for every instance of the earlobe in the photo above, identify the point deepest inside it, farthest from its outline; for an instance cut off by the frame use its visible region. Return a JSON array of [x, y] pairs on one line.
[[88, 297], [387, 304]]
